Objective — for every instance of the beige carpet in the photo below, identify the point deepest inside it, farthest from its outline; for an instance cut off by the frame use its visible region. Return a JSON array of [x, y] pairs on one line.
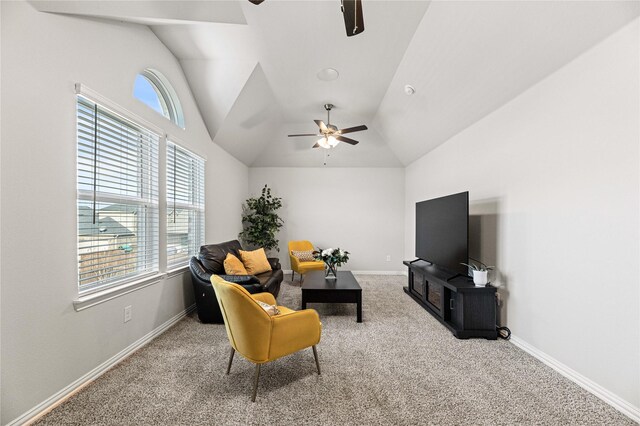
[[398, 367]]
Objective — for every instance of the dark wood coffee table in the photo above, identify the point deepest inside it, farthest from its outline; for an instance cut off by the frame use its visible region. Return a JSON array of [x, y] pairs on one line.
[[344, 289]]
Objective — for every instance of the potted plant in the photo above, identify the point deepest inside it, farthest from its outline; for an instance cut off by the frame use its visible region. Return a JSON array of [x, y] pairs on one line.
[[261, 221], [480, 272]]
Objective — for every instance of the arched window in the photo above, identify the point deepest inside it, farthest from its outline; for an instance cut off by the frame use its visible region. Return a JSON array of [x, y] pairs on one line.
[[153, 88]]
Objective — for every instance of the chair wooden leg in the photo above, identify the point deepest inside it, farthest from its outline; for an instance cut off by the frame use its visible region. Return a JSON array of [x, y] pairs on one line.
[[292, 274], [233, 351], [255, 384], [315, 355]]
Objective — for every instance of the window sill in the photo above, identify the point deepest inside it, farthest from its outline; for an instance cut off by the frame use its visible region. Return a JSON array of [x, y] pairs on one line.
[[87, 301]]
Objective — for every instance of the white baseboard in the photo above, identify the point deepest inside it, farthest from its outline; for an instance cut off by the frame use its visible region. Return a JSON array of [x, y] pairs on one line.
[[288, 271], [607, 396], [60, 396]]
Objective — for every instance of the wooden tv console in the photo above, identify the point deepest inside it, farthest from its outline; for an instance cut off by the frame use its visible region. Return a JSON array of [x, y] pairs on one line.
[[466, 310]]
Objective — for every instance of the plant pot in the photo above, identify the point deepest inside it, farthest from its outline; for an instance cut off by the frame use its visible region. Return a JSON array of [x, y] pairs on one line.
[[480, 278]]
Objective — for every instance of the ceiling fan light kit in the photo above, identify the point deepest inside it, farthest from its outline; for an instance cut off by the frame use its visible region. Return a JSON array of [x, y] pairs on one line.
[[328, 142]]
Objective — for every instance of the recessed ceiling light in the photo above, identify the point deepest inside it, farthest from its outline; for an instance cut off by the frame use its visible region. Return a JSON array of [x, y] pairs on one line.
[[328, 74]]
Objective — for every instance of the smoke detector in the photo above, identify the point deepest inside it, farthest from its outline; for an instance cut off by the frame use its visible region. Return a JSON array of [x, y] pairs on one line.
[[409, 90]]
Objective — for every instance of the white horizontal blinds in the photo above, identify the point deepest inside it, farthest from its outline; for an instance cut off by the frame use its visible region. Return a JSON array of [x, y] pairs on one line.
[[118, 215], [185, 205]]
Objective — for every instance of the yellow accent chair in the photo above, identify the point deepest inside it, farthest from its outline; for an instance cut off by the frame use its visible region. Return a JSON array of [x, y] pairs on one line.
[[303, 267], [256, 335]]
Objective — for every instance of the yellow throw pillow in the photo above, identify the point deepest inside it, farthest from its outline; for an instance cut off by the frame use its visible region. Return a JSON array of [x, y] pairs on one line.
[[255, 261], [233, 266]]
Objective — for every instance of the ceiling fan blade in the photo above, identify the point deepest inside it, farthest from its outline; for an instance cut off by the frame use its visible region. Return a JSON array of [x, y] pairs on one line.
[[347, 140], [256, 1], [317, 145], [305, 134], [353, 19], [352, 129], [320, 123]]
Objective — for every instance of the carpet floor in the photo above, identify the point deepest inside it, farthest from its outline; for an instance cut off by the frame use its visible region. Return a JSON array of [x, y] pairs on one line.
[[399, 367]]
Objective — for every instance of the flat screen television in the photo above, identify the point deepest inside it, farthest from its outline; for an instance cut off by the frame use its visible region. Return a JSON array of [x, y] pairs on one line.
[[442, 232]]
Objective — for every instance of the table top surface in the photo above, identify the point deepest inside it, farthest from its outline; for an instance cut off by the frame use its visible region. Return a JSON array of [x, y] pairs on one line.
[[315, 280]]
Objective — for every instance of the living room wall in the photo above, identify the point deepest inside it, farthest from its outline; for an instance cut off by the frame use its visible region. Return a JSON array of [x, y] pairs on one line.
[[46, 344], [357, 209], [555, 174]]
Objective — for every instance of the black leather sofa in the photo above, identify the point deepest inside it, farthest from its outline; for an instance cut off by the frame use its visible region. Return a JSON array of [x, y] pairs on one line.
[[210, 261]]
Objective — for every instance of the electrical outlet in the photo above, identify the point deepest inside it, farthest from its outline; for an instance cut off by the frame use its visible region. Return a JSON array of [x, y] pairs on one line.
[[388, 258], [127, 313]]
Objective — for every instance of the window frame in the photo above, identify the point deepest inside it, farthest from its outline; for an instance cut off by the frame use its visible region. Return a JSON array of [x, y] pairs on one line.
[[141, 190], [89, 298], [167, 96], [197, 197], [90, 295]]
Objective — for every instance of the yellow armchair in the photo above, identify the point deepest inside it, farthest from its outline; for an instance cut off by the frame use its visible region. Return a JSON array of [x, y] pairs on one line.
[[303, 267], [261, 338]]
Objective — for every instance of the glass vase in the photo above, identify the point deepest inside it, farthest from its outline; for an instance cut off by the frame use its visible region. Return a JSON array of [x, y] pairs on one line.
[[330, 271]]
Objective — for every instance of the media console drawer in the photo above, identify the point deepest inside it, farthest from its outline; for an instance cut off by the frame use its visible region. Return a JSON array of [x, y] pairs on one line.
[[466, 310]]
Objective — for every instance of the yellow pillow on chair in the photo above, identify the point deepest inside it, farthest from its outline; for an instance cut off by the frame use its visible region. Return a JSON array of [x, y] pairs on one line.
[[233, 266], [255, 261]]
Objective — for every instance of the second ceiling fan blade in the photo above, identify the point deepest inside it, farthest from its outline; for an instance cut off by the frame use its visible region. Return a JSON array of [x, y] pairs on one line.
[[352, 129], [317, 145], [320, 123], [353, 19], [304, 134], [347, 140]]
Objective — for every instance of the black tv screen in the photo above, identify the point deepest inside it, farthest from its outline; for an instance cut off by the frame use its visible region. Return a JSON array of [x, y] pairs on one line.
[[442, 231]]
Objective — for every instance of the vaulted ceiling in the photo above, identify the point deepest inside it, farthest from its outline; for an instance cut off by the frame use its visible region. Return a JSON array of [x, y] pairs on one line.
[[253, 69]]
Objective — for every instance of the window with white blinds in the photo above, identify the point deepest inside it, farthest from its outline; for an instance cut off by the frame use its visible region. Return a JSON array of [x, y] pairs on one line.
[[185, 205], [118, 212]]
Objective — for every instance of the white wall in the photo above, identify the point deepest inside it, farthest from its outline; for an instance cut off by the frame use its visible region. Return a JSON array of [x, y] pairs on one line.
[[227, 182], [46, 344], [554, 173], [360, 210]]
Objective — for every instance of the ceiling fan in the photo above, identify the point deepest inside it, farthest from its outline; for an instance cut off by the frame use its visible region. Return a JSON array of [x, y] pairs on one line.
[[352, 13], [330, 135]]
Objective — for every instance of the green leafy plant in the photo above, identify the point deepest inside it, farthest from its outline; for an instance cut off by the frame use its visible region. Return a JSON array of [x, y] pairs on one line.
[[479, 267], [332, 256], [261, 221]]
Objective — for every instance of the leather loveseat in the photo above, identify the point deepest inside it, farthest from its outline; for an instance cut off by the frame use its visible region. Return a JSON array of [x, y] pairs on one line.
[[210, 261]]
